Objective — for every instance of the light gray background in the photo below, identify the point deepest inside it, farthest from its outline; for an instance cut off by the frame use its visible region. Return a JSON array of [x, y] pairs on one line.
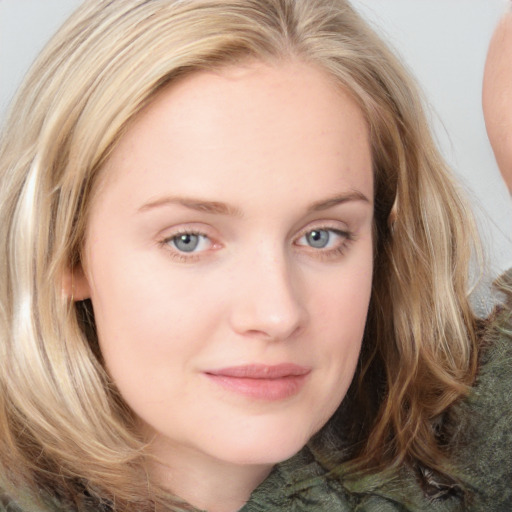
[[444, 43]]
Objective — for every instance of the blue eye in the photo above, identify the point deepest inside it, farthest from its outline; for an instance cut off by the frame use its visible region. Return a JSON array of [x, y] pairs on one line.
[[318, 238], [189, 242], [324, 238]]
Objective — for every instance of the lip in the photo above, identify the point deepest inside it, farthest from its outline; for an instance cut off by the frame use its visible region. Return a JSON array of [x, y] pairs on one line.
[[260, 381]]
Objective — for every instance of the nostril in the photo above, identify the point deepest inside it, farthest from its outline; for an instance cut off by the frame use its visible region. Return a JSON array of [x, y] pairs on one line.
[[266, 321], [268, 304]]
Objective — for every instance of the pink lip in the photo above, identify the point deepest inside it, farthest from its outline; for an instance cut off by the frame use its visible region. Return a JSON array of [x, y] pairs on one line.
[[262, 382]]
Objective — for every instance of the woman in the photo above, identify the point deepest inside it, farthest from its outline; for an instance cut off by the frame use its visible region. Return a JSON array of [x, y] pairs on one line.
[[229, 235]]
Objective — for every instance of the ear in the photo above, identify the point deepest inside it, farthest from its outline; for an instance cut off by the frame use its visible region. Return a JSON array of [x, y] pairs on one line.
[[75, 285]]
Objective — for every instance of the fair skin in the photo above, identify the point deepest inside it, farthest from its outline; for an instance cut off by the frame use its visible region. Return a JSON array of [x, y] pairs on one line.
[[497, 96], [229, 259]]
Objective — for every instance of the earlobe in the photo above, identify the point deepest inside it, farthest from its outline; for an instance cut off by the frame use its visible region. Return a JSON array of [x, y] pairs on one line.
[[75, 286]]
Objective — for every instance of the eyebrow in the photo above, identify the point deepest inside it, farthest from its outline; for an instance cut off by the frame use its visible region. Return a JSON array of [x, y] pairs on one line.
[[325, 204], [191, 203], [217, 207]]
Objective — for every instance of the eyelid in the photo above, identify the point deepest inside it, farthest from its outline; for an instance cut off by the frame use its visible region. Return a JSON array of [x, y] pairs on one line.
[[339, 228], [327, 254], [193, 228], [337, 232], [169, 234], [344, 236], [327, 225]]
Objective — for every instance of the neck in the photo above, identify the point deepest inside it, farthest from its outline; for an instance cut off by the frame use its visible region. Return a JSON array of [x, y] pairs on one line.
[[207, 483]]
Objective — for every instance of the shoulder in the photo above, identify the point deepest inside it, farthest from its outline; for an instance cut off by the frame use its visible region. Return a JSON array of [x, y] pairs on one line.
[[301, 484], [24, 503], [483, 444]]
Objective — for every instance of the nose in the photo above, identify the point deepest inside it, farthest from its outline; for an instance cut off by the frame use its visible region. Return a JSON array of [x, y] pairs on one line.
[[267, 302]]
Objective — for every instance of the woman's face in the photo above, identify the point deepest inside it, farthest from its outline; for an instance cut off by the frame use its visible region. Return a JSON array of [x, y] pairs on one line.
[[229, 261]]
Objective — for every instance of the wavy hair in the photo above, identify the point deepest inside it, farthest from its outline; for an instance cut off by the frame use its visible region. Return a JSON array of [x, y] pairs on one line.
[[63, 427]]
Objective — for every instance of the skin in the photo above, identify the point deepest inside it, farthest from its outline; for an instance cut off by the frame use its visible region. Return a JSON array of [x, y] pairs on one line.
[[269, 154], [497, 96]]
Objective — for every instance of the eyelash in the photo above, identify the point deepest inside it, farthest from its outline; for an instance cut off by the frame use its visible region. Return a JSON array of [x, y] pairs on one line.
[[347, 238], [178, 255]]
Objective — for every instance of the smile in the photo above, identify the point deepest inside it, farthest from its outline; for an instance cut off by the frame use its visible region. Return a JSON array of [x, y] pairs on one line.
[[262, 382]]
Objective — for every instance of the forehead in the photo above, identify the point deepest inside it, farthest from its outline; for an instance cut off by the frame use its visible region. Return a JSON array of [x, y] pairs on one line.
[[279, 121]]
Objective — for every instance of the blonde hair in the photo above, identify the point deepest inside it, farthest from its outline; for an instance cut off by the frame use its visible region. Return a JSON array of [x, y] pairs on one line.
[[63, 425]]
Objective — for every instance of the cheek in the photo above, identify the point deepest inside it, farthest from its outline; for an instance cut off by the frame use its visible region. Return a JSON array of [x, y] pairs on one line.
[[339, 313], [341, 326], [343, 302], [347, 306], [149, 338], [146, 318], [343, 320]]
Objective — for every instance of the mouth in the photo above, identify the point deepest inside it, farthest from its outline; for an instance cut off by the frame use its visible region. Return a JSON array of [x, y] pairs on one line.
[[262, 382]]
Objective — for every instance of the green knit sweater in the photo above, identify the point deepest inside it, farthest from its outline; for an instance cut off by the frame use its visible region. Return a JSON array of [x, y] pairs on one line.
[[482, 456]]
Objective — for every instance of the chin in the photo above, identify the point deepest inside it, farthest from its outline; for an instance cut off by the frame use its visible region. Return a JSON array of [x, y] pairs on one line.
[[267, 450]]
